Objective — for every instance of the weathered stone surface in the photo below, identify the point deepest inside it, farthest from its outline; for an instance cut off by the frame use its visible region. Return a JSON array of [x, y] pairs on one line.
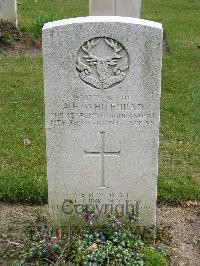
[[102, 8], [8, 10], [102, 97], [125, 8], [128, 8]]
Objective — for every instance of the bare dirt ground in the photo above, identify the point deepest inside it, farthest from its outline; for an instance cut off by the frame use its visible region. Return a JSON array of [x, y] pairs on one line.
[[181, 227], [25, 47]]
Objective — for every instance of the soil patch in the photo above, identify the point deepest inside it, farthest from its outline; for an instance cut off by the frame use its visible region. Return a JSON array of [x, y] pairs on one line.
[[25, 47], [13, 42], [181, 229]]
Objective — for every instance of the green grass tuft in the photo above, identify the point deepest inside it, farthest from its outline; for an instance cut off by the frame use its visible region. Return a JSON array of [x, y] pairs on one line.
[[38, 24]]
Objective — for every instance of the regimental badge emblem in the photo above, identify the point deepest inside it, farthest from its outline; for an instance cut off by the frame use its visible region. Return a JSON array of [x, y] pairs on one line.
[[102, 63]]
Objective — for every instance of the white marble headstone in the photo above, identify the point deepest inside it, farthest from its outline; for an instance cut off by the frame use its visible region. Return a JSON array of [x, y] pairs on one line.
[[102, 98], [125, 8], [8, 10]]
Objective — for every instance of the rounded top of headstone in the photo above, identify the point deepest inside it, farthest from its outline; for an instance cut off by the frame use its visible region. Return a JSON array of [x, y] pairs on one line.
[[93, 19]]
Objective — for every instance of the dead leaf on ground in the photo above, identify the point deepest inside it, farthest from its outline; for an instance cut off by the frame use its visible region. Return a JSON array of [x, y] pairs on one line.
[[192, 203], [93, 246], [196, 176], [26, 142]]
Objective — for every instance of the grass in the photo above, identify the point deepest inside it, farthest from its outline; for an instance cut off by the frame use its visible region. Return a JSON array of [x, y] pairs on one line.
[[23, 168], [23, 171], [33, 11], [179, 167]]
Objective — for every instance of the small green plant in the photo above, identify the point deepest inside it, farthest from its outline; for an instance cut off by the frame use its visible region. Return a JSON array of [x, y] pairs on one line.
[[153, 257], [39, 23]]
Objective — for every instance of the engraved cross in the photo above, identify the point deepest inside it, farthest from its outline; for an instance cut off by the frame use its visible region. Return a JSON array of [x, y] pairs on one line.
[[102, 153]]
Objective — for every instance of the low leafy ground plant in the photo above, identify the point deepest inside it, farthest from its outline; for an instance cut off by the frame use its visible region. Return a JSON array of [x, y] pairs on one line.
[[8, 34], [111, 243]]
